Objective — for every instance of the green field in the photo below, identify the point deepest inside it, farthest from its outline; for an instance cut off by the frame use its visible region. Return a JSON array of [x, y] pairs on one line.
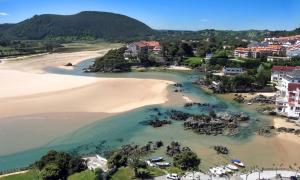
[[87, 46], [123, 173], [30, 175], [84, 175]]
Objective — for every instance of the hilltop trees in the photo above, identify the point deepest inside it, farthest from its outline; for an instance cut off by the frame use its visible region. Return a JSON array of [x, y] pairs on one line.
[[112, 61]]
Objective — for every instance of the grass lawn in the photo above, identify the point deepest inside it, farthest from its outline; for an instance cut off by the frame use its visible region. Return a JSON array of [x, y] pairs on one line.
[[30, 175], [154, 172], [84, 175], [176, 170], [193, 61], [123, 173], [237, 60]]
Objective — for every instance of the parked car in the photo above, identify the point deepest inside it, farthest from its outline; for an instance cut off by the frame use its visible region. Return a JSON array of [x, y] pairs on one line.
[[173, 176]]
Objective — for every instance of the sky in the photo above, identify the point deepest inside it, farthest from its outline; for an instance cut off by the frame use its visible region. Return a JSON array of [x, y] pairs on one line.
[[171, 14]]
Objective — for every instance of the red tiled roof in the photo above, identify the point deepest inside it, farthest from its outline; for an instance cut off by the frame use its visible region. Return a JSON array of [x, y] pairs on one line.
[[293, 86], [285, 68], [151, 43]]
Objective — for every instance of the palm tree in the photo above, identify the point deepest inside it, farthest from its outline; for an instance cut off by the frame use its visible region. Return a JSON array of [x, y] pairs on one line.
[[134, 163]]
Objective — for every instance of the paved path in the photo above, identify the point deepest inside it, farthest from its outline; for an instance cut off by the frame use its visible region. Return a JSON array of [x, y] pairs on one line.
[[269, 174]]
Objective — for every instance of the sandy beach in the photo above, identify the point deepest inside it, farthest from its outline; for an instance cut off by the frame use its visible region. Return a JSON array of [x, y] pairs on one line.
[[43, 102], [37, 63]]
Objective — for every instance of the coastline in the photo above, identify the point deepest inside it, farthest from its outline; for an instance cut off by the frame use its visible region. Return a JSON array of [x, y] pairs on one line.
[[42, 102]]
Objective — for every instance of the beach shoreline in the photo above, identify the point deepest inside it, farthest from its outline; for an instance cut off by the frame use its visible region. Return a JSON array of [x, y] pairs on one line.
[[33, 98]]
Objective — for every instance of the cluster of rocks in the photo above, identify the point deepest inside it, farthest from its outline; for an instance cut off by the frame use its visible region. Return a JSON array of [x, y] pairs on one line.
[[266, 131], [239, 98], [178, 115], [289, 130], [257, 99], [263, 99], [178, 87], [216, 124], [175, 148], [221, 149], [204, 105], [156, 123]]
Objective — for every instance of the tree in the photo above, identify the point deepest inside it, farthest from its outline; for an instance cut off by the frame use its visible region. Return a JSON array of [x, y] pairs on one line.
[[116, 160], [66, 163], [263, 75], [186, 160], [134, 163], [51, 171]]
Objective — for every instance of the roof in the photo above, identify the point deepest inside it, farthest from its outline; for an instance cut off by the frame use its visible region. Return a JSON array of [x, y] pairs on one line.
[[285, 68], [293, 86], [151, 43]]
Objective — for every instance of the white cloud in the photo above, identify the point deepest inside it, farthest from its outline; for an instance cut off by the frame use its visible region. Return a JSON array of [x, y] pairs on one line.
[[3, 14], [204, 20]]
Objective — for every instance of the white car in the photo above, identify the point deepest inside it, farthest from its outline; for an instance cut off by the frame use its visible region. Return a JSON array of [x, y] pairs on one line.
[[173, 176]]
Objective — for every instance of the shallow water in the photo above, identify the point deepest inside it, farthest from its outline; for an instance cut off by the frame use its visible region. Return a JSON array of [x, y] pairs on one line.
[[125, 128]]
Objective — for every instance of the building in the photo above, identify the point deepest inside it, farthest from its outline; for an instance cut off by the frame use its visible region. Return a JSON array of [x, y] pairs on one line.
[[288, 95], [278, 72], [232, 70], [293, 51], [260, 51], [136, 48], [94, 162], [277, 58]]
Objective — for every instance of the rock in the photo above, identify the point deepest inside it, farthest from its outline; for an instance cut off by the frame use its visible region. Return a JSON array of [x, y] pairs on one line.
[[69, 64], [178, 115], [221, 149], [239, 98], [263, 99], [156, 123]]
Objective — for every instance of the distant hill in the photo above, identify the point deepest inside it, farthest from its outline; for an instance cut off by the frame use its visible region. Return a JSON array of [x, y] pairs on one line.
[[90, 24], [109, 26]]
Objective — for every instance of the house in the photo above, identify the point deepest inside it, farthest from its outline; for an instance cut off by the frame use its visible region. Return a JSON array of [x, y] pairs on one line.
[[293, 51], [277, 58], [94, 162], [136, 48], [278, 72], [242, 52], [232, 70], [288, 95], [208, 56]]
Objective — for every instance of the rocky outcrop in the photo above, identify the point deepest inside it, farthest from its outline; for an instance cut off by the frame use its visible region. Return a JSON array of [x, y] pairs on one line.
[[156, 123], [221, 149], [221, 123]]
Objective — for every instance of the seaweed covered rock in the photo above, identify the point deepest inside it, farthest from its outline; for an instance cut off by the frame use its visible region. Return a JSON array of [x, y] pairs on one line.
[[221, 149], [178, 115]]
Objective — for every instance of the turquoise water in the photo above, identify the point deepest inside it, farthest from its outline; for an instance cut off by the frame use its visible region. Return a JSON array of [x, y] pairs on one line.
[[112, 132]]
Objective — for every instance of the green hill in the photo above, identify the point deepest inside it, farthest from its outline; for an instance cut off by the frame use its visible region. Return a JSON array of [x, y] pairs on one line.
[[88, 24]]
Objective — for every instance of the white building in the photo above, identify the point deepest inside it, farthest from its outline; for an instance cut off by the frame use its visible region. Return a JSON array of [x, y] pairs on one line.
[[288, 95], [279, 71], [232, 70], [94, 162]]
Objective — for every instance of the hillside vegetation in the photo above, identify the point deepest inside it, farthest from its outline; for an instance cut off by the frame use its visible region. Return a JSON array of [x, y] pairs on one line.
[[85, 25]]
